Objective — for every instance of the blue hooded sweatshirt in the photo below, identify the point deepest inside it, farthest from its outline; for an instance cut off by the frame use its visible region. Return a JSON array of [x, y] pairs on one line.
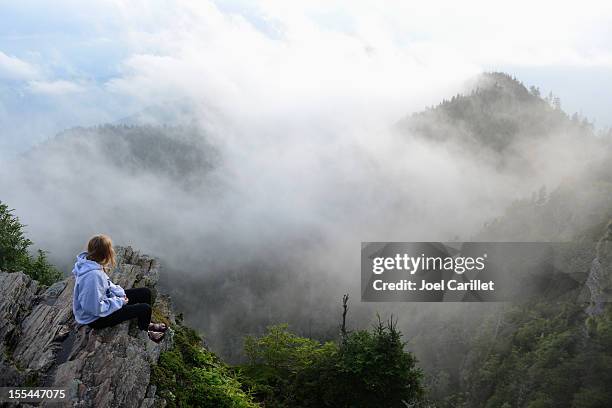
[[94, 295]]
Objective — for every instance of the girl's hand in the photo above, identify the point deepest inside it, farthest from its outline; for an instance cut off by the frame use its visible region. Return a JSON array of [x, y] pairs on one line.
[[125, 299]]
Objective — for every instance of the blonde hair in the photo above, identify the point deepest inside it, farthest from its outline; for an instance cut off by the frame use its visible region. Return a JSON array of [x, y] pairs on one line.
[[100, 249]]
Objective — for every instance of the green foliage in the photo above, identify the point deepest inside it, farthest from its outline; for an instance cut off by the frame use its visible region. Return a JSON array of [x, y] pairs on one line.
[[188, 375], [14, 255], [281, 365], [366, 369], [550, 355], [282, 350], [374, 370]]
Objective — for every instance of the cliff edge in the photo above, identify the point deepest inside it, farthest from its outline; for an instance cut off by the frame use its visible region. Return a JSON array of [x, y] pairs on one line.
[[42, 345]]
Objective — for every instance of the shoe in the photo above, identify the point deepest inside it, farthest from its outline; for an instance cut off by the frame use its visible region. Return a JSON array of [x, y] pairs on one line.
[[156, 336], [158, 327]]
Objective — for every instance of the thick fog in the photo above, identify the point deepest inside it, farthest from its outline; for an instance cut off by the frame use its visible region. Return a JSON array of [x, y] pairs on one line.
[[269, 229], [295, 159]]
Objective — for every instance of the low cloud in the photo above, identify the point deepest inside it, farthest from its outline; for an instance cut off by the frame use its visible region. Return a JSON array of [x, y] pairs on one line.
[[15, 69], [56, 88]]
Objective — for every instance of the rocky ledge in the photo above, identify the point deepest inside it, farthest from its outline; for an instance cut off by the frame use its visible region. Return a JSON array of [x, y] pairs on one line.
[[42, 345]]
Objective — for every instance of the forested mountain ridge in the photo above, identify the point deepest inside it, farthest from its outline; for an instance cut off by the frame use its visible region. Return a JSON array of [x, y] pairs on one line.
[[495, 113], [539, 354], [177, 153], [546, 353]]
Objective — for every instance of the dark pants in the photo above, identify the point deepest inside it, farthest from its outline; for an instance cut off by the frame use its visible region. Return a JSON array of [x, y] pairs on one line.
[[139, 307]]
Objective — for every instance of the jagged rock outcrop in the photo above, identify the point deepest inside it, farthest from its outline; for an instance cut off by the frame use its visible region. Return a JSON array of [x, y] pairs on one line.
[[42, 345]]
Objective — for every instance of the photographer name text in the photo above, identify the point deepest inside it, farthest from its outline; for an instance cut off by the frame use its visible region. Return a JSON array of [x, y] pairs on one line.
[[443, 285]]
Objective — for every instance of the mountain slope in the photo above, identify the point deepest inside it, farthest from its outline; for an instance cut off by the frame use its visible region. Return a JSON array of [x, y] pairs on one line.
[[178, 154], [498, 112], [540, 354]]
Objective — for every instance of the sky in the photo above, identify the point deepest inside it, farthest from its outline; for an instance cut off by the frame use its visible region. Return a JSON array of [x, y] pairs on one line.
[[71, 63]]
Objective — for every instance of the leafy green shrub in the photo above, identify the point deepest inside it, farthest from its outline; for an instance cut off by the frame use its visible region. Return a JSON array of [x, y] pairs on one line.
[[190, 376], [281, 364], [365, 369], [283, 350], [373, 370], [14, 255]]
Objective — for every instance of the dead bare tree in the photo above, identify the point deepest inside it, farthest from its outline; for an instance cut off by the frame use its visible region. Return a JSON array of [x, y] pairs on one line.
[[343, 331]]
